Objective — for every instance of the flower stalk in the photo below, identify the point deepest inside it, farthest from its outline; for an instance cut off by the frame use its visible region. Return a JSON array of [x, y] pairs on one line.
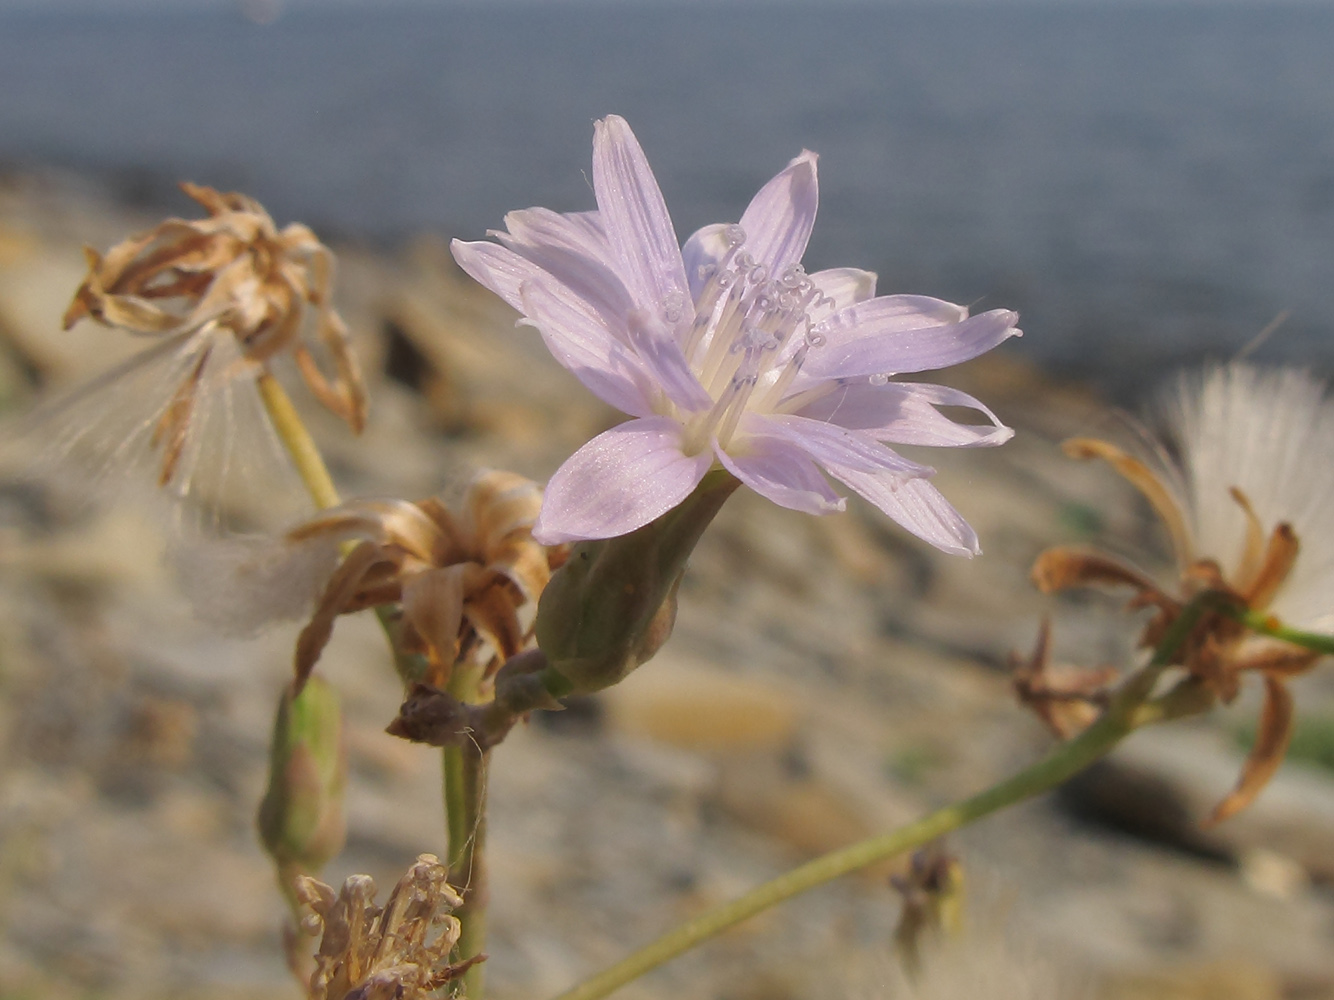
[[465, 781], [1130, 708], [464, 766]]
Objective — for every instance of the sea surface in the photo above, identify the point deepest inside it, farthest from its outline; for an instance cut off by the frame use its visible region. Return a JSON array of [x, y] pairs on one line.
[[1148, 185]]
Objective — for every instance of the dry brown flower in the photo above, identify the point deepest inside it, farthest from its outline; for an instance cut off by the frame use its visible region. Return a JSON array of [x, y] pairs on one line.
[[1254, 470], [467, 579], [226, 294], [1067, 698], [396, 952]]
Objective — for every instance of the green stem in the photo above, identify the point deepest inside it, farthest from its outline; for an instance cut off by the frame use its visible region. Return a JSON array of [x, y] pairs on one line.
[[292, 432], [298, 442], [464, 770], [1258, 621], [1125, 713], [1066, 760]]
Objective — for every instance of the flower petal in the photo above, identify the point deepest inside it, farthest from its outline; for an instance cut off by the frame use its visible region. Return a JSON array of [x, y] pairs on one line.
[[619, 481], [845, 286], [830, 444], [706, 246], [888, 336], [905, 413], [572, 254], [916, 505], [495, 267], [659, 352], [639, 230], [582, 344], [776, 468], [778, 220]]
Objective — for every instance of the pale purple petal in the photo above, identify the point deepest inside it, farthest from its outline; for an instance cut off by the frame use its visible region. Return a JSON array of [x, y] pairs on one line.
[[619, 481], [576, 232], [495, 267], [575, 229], [916, 505], [639, 230], [656, 346], [778, 220], [574, 266], [887, 340], [830, 444], [781, 471], [578, 339], [905, 413], [583, 284], [705, 248], [845, 286]]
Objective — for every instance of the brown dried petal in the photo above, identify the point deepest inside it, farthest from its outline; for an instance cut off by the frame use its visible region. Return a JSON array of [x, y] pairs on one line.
[[337, 594], [433, 606], [1064, 566], [384, 522], [499, 503], [1271, 743], [1143, 479], [1279, 557]]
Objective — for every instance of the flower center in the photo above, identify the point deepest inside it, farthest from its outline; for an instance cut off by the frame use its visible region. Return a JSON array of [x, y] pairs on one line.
[[749, 337]]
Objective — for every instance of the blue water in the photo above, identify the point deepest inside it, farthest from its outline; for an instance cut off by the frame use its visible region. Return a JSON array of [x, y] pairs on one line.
[[1146, 184]]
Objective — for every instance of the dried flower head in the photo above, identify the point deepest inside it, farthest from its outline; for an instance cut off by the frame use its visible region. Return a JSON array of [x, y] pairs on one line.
[[1254, 474], [727, 354], [467, 579], [226, 295], [396, 952]]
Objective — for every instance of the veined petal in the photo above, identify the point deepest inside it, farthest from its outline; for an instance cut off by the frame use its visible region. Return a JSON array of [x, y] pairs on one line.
[[888, 339], [916, 505], [582, 274], [572, 247], [830, 444], [619, 481], [659, 352], [905, 413], [705, 247], [495, 267], [582, 344], [845, 286], [639, 230], [580, 231], [776, 468], [779, 219]]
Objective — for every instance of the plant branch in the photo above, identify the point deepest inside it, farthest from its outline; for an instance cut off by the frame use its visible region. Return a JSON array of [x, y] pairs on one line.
[[1123, 715]]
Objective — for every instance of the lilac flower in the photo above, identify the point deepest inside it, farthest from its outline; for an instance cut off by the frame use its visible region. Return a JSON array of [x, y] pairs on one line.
[[725, 351]]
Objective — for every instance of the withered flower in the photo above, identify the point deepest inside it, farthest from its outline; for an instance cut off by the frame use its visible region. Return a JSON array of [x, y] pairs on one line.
[[226, 295], [1254, 475], [396, 952], [467, 579], [1067, 698]]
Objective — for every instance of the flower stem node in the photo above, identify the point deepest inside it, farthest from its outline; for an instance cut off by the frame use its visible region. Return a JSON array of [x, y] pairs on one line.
[[301, 821], [613, 604]]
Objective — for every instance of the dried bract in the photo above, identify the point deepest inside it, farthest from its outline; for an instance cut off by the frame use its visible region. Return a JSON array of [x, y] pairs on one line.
[[396, 952], [1067, 698], [467, 579], [226, 295], [1255, 475]]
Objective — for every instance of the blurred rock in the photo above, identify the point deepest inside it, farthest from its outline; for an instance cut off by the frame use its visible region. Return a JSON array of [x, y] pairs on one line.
[[828, 678], [1161, 783]]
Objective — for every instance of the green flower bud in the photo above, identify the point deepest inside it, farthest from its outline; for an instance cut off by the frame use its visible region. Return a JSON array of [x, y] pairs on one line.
[[613, 603], [301, 820]]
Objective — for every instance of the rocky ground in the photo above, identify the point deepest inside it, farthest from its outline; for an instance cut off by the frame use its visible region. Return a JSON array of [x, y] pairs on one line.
[[828, 678]]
